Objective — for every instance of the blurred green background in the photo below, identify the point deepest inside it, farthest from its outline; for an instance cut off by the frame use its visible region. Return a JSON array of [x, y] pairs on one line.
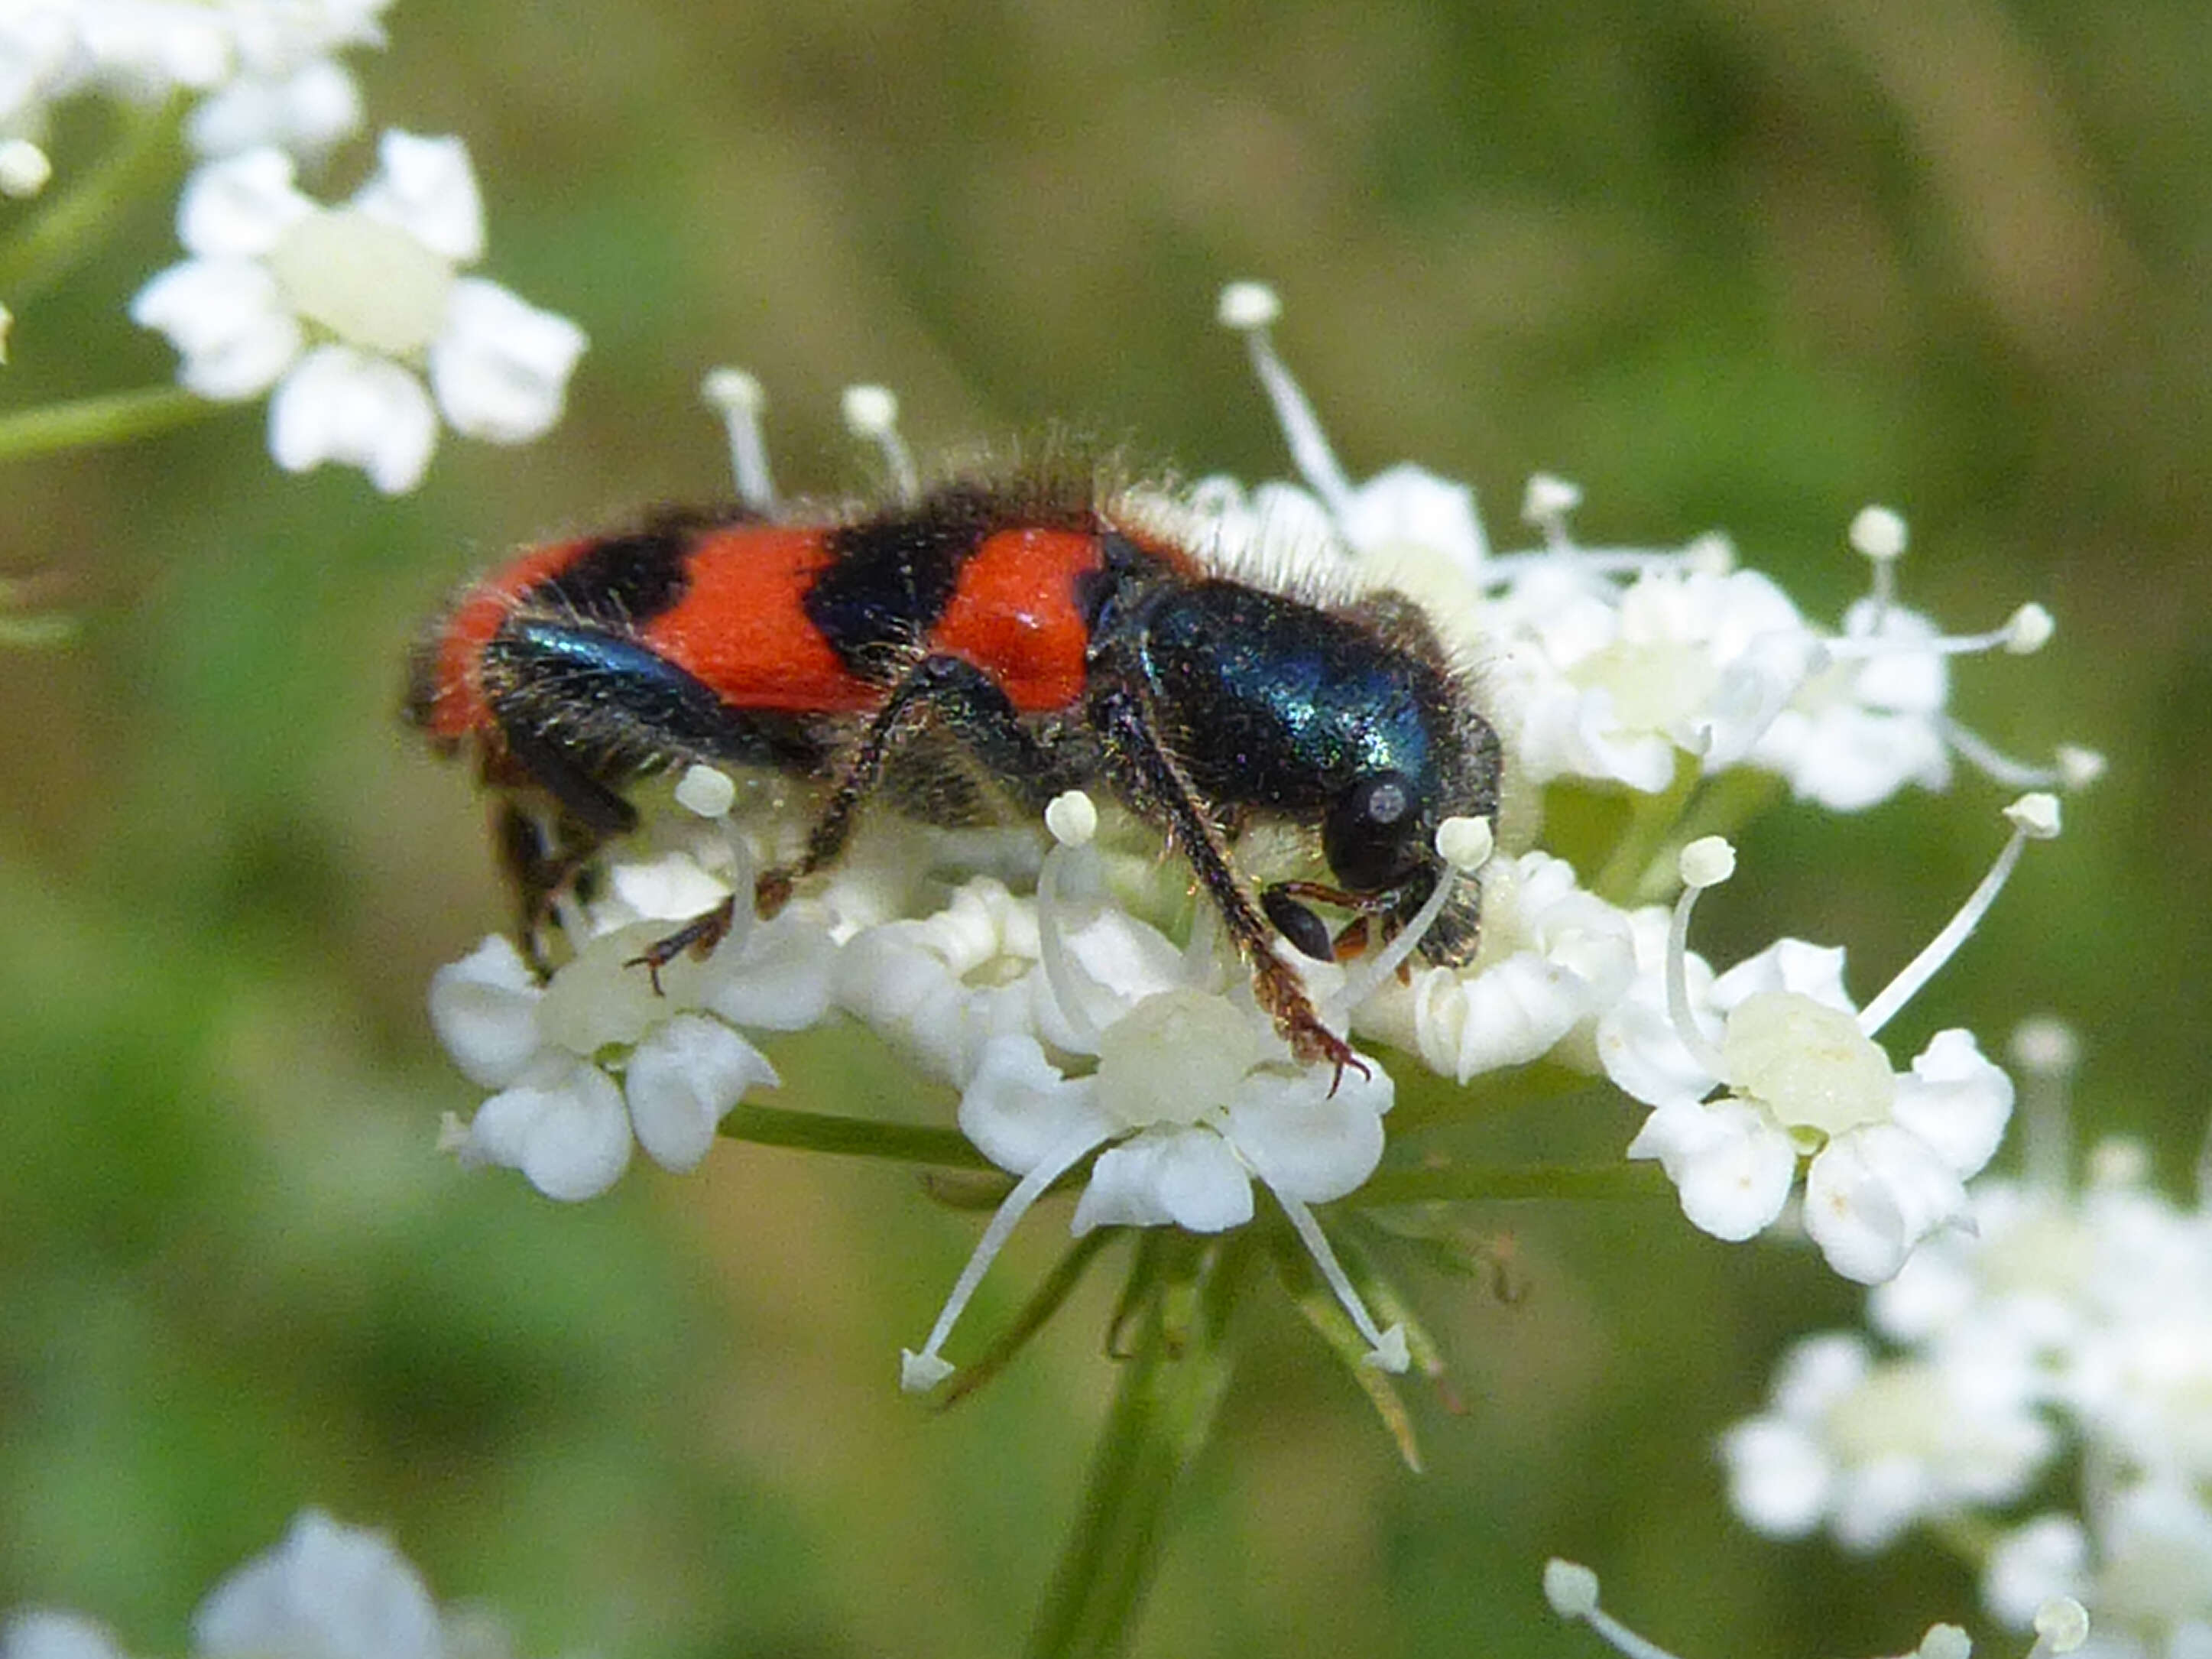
[[1750, 264]]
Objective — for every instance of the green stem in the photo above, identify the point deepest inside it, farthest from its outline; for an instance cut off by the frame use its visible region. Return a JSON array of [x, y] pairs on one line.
[[1725, 804], [1650, 823], [36, 633], [852, 1137], [74, 220], [1435, 1183], [1425, 1099], [112, 417], [1171, 1388]]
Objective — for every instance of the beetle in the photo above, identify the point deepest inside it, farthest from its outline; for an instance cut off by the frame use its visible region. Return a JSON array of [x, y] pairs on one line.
[[1042, 626]]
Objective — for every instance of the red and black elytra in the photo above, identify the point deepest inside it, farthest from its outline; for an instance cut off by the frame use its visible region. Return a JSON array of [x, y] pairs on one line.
[[1036, 626]]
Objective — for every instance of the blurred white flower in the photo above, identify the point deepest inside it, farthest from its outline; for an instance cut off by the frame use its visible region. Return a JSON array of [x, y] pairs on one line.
[[42, 1633], [1868, 1449], [2068, 1320], [263, 68], [340, 312], [327, 1591]]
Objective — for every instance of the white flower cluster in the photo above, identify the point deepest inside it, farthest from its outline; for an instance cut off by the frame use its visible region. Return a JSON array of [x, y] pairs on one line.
[[1069, 1026], [328, 1591], [1086, 1014], [344, 310], [262, 71], [339, 312], [2066, 1323]]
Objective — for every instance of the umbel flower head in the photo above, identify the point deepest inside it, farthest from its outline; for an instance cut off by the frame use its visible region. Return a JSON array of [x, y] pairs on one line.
[[1190, 1096], [263, 71], [2060, 1345], [342, 313], [1098, 1034], [1888, 1153]]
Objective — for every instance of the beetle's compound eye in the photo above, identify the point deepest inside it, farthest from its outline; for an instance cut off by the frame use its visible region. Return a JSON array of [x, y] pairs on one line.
[[1371, 836]]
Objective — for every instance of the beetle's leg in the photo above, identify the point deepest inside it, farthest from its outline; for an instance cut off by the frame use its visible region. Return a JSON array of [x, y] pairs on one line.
[[967, 703], [582, 706], [1150, 776], [951, 691], [543, 855]]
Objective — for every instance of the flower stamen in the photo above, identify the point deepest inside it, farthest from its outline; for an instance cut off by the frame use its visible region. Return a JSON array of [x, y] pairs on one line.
[[1571, 1589], [920, 1372], [1251, 308], [1072, 818], [2071, 768], [740, 399], [1386, 1351], [1545, 503], [2033, 818], [872, 416], [1878, 534], [2044, 1050], [2027, 631], [1706, 862]]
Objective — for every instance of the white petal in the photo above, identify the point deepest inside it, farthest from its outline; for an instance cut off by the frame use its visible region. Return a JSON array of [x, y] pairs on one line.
[[1407, 506], [1955, 1101], [682, 1082], [668, 887], [1847, 759], [327, 1592], [1507, 1015], [1731, 1166], [1900, 680], [1779, 1478], [1877, 1499], [1641, 1050], [2038, 1559], [427, 187], [241, 206], [499, 366], [1118, 962], [1609, 747], [484, 1010], [1305, 1142], [35, 1633], [304, 113], [1018, 1108], [227, 319], [1818, 1370], [1753, 689], [1874, 1194], [1188, 1178], [778, 980], [896, 978], [1788, 964], [345, 406], [567, 1130]]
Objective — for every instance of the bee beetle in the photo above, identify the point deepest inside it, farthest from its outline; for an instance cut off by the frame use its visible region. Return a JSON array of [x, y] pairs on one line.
[[1038, 627]]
